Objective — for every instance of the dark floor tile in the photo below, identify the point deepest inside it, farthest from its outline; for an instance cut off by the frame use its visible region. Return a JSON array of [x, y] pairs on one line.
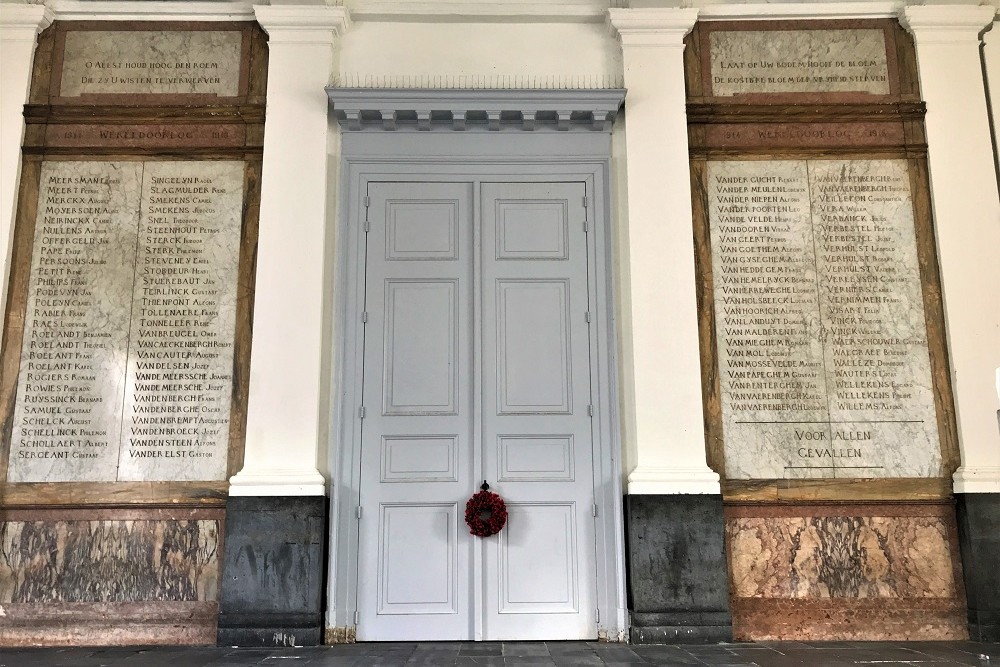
[[529, 661], [484, 650], [663, 654], [479, 661], [559, 648], [619, 655], [525, 649], [580, 659]]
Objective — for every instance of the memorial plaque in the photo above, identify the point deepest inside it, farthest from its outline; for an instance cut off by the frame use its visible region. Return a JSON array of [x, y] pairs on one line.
[[68, 410], [126, 363], [151, 62], [823, 360], [798, 61]]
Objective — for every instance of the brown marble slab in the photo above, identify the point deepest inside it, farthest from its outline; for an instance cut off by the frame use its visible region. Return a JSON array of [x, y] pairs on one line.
[[845, 571], [105, 560]]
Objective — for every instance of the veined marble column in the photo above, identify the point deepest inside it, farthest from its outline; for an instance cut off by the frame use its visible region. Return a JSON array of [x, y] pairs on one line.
[[19, 26], [667, 433], [674, 503], [286, 407], [967, 221]]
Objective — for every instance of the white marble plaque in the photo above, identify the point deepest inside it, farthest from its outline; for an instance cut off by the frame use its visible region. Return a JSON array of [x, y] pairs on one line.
[[823, 361], [145, 62], [798, 61], [126, 365], [180, 361], [68, 409]]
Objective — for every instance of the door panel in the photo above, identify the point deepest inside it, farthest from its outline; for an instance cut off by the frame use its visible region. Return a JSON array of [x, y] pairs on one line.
[[422, 455], [540, 571], [416, 445]]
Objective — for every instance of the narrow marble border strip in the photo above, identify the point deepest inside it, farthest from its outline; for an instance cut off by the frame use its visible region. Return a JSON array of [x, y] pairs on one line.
[[804, 135], [115, 514], [109, 623], [763, 619], [943, 509]]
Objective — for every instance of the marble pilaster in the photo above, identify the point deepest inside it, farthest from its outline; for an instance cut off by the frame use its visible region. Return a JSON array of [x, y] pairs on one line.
[[664, 430]]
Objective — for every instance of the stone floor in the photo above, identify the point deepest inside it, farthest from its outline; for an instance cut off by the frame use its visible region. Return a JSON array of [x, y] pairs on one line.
[[556, 654]]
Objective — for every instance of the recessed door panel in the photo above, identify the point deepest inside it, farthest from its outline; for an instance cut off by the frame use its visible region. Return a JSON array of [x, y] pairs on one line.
[[421, 229], [537, 560], [529, 229], [536, 457], [421, 357], [533, 352], [420, 458], [417, 580]]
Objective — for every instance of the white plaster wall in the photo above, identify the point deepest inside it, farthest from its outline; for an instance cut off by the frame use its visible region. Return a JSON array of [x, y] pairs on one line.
[[966, 207], [480, 54]]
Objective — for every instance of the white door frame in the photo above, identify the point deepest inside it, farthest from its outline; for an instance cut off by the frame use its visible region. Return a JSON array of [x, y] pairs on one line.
[[470, 157]]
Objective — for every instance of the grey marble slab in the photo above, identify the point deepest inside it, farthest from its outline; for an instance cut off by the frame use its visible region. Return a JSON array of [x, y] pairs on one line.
[[823, 361], [180, 359], [126, 364], [798, 61], [145, 62], [68, 408]]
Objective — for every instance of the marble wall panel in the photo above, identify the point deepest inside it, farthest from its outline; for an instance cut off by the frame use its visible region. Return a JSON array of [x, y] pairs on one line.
[[820, 328], [845, 557], [68, 409], [864, 572], [109, 560], [175, 423], [145, 62], [798, 61], [126, 367]]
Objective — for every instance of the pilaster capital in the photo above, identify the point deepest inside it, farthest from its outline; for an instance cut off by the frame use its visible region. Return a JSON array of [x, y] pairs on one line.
[[946, 24], [24, 22], [302, 24], [652, 27]]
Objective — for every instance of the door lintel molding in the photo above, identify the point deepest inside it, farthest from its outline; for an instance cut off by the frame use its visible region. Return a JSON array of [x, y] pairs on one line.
[[359, 109]]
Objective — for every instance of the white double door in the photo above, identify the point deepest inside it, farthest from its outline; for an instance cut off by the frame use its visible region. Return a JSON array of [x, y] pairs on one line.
[[477, 366]]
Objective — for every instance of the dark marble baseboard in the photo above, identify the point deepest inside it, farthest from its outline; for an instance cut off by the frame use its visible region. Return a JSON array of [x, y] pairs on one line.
[[979, 539], [677, 575], [274, 569]]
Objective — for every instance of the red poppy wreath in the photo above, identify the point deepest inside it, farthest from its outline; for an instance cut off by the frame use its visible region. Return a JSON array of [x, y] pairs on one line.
[[485, 513]]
